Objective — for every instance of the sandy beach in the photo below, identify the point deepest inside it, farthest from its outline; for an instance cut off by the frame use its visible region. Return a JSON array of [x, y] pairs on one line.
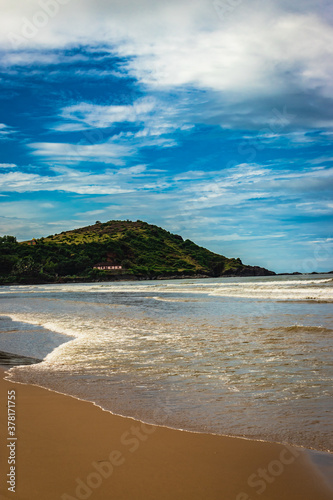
[[70, 449]]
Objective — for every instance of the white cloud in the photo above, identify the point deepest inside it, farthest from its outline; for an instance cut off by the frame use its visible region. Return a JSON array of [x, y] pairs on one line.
[[315, 207], [155, 119], [244, 187], [255, 188], [108, 152], [98, 116], [36, 57], [71, 181], [321, 160], [75, 181], [18, 225], [135, 171], [24, 220], [5, 131], [240, 237], [47, 205], [20, 210], [90, 213], [8, 165]]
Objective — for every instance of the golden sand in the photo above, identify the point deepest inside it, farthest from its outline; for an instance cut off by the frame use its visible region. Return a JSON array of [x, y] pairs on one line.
[[70, 449]]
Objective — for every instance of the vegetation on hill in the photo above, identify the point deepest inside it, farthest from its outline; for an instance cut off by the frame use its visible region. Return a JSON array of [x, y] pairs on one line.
[[143, 250]]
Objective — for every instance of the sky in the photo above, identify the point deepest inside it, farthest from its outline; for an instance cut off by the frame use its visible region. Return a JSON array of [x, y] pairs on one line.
[[211, 119]]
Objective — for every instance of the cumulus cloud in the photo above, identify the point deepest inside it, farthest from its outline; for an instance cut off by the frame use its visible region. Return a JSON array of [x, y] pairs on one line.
[[256, 56], [277, 53]]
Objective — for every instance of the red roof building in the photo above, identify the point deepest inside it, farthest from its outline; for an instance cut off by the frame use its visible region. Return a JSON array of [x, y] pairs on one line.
[[106, 266]]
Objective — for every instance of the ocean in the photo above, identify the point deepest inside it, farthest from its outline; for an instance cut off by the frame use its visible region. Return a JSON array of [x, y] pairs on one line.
[[247, 357]]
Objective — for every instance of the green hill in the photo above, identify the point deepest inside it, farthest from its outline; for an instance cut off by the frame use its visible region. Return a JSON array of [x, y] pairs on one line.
[[142, 250]]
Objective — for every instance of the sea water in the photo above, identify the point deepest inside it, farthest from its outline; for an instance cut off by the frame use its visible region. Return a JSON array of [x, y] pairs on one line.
[[240, 356]]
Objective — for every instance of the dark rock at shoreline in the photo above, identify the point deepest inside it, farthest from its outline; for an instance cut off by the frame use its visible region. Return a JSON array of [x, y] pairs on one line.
[[251, 271], [295, 273], [10, 359]]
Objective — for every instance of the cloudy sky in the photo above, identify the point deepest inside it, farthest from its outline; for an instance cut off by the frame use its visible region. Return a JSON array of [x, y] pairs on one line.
[[212, 119]]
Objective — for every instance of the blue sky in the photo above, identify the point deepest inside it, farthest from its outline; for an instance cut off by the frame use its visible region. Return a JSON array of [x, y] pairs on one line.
[[212, 119]]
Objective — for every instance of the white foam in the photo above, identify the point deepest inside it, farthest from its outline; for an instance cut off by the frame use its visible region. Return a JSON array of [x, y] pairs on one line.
[[275, 288]]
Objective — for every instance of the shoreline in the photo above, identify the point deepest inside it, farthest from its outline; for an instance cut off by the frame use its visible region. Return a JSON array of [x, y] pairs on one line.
[[9, 361], [145, 416], [130, 278], [4, 367], [65, 444]]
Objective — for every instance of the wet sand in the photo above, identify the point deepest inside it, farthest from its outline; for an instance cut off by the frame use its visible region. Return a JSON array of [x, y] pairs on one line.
[[70, 449]]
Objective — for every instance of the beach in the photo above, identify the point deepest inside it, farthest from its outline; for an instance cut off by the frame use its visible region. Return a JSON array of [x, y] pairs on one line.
[[166, 250], [67, 448]]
